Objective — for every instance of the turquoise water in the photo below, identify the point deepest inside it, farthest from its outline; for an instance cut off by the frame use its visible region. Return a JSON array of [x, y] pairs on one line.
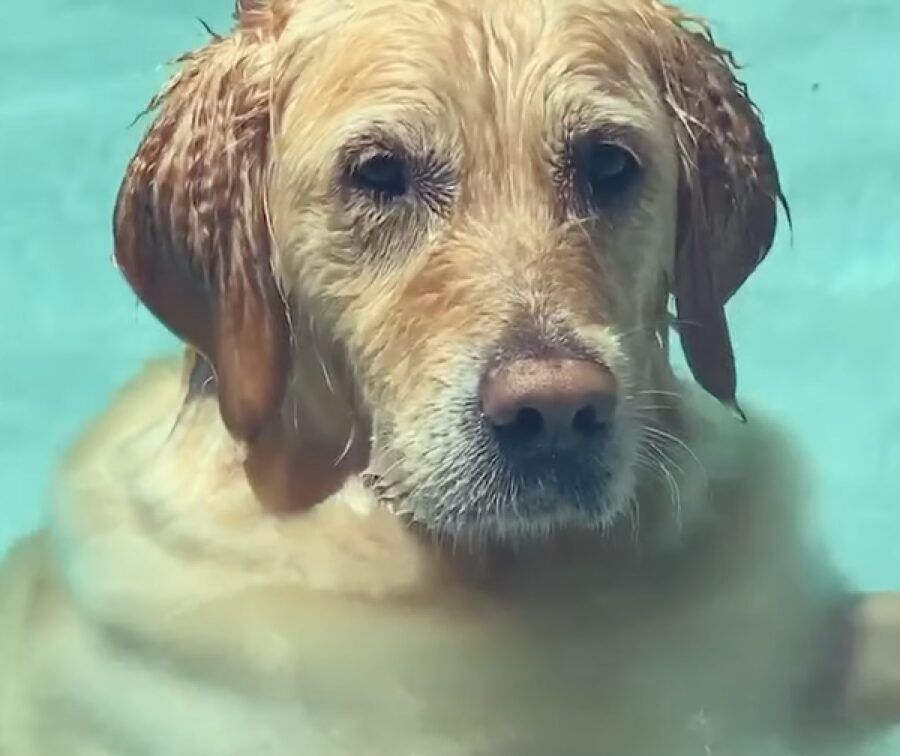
[[816, 329]]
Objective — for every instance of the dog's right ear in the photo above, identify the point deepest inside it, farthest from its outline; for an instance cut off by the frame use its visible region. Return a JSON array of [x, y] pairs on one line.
[[729, 190], [191, 231]]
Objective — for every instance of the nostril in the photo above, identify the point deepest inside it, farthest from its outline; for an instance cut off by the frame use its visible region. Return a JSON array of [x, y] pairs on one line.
[[528, 423], [586, 422], [535, 405]]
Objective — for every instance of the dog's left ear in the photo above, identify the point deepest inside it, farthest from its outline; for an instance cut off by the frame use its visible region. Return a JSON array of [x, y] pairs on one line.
[[191, 229], [728, 188], [193, 239]]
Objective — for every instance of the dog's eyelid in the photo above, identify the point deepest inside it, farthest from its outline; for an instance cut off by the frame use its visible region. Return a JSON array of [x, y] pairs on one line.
[[358, 153], [618, 135], [376, 140]]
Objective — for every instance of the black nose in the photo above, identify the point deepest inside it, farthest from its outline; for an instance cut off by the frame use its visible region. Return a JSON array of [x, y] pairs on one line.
[[538, 407]]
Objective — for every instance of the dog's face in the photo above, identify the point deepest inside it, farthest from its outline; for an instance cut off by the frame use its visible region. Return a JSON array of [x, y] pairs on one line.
[[439, 237]]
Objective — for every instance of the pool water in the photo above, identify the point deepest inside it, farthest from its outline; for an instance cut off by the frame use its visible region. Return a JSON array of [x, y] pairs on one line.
[[817, 329]]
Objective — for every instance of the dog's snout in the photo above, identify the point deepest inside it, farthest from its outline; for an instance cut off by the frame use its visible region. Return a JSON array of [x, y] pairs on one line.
[[536, 405]]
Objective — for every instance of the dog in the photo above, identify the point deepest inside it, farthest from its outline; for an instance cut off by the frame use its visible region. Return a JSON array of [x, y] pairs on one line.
[[424, 480]]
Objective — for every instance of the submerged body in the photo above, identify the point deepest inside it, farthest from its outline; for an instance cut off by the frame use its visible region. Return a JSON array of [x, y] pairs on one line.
[[160, 614]]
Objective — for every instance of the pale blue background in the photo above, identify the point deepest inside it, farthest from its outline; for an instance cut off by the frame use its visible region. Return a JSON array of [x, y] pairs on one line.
[[817, 330]]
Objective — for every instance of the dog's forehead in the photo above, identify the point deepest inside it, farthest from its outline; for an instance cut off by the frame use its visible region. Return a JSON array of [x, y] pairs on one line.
[[464, 55]]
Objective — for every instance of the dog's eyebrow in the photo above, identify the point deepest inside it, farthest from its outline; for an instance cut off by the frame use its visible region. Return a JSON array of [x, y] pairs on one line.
[[383, 135], [615, 128], [602, 112], [606, 131]]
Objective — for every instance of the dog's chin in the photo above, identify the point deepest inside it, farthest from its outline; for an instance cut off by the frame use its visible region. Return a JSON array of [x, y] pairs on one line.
[[483, 501]]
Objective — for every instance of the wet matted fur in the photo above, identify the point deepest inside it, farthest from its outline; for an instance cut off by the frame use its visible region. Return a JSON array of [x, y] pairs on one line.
[[300, 537]]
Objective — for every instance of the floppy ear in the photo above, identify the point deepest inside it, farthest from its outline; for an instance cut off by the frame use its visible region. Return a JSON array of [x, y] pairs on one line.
[[728, 190], [191, 230]]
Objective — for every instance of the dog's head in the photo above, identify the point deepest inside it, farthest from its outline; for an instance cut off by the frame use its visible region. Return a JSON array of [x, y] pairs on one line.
[[439, 238]]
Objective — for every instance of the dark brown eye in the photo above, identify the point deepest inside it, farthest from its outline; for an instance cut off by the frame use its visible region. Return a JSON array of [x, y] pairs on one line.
[[604, 171], [384, 175]]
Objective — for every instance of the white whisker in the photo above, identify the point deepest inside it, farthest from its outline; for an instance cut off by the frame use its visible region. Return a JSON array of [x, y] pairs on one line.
[[661, 435], [658, 464], [346, 450]]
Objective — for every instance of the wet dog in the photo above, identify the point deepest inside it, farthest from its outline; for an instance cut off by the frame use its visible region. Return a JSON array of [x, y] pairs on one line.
[[424, 481]]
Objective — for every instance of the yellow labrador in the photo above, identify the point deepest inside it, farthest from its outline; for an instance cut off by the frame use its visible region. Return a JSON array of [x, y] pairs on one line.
[[424, 482]]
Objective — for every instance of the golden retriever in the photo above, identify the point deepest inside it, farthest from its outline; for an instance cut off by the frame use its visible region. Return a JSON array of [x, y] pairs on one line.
[[424, 481]]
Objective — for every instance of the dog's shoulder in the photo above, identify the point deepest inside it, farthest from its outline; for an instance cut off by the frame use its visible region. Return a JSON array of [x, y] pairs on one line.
[[731, 470], [749, 457], [152, 396]]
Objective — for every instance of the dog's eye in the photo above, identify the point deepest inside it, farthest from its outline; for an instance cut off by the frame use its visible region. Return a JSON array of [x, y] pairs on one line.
[[603, 170], [384, 175]]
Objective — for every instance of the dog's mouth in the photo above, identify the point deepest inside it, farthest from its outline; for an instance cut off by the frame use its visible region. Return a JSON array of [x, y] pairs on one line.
[[535, 434], [465, 481]]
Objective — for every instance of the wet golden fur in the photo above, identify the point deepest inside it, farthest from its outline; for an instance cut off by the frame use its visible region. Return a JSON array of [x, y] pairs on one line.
[[284, 542], [189, 623]]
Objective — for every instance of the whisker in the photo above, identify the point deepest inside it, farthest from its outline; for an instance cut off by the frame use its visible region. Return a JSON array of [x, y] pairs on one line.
[[664, 456], [634, 516], [350, 439], [671, 481], [660, 434], [652, 327], [651, 407], [324, 368], [657, 392]]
